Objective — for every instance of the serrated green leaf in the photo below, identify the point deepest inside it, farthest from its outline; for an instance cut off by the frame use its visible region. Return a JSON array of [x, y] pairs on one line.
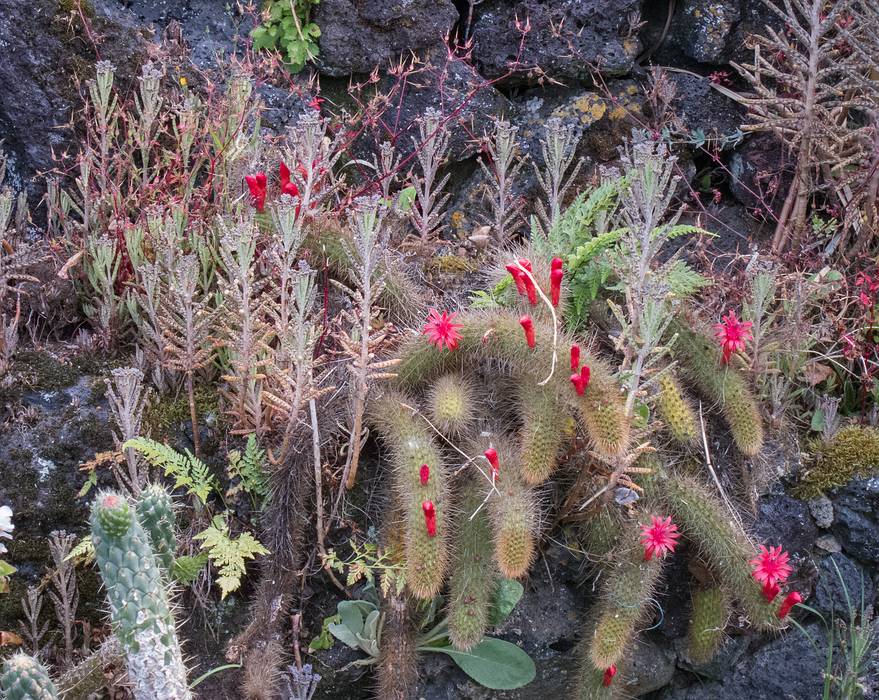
[[187, 568]]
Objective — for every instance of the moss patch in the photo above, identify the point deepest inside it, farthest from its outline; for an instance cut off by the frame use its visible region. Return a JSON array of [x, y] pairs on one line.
[[852, 453], [165, 415]]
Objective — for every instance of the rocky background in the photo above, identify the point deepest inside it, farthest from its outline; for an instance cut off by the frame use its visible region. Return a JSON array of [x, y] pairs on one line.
[[584, 61]]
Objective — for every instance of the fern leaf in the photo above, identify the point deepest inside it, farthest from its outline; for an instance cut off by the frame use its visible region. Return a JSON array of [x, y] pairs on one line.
[[186, 569], [228, 555], [187, 470]]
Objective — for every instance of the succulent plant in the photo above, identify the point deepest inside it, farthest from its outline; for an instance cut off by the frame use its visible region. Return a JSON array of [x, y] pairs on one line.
[[25, 678]]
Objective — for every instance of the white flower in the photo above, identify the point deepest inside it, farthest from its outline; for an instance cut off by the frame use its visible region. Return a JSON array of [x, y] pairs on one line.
[[6, 526]]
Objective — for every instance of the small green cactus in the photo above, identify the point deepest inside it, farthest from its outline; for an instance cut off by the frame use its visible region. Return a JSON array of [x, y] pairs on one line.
[[420, 489], [700, 361], [25, 678], [709, 617], [450, 401], [474, 575], [138, 600], [155, 511], [676, 412], [544, 421]]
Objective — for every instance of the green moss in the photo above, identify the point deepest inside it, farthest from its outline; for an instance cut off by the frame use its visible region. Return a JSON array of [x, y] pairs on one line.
[[450, 264], [853, 452], [40, 370], [164, 415]]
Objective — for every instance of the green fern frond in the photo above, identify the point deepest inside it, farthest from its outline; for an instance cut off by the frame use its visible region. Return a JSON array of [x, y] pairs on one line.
[[187, 470], [186, 568], [228, 555], [250, 468], [683, 280]]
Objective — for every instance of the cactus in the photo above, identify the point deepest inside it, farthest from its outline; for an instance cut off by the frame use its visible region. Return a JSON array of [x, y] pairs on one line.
[[592, 682], [474, 575], [419, 479], [513, 515], [709, 617], [699, 359], [156, 513], [496, 337], [25, 678], [630, 582], [676, 412], [397, 670], [138, 601], [703, 520], [450, 402], [543, 425]]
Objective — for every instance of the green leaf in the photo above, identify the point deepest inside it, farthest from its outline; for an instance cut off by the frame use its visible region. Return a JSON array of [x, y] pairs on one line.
[[324, 640], [508, 593], [406, 198], [818, 421], [493, 663], [684, 280], [228, 555], [186, 568], [85, 550], [6, 569]]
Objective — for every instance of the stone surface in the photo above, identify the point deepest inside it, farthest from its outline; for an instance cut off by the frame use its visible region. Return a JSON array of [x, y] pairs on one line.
[[758, 177], [856, 521], [703, 28], [358, 36], [700, 107], [821, 509], [785, 520], [652, 667], [841, 584], [567, 39]]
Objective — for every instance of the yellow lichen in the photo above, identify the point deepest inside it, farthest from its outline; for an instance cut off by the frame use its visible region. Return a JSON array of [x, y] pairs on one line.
[[853, 452]]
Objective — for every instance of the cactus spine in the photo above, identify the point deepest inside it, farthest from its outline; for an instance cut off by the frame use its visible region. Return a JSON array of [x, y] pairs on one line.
[[138, 601], [25, 678], [474, 576], [675, 411], [700, 361], [419, 478], [450, 402], [543, 425], [156, 513], [710, 614], [397, 670]]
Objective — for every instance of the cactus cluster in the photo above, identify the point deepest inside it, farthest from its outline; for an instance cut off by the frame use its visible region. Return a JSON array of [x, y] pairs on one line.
[[25, 678], [485, 404], [132, 546]]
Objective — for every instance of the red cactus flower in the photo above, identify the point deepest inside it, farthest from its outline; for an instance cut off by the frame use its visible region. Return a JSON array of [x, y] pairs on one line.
[[424, 474], [518, 278], [770, 592], [555, 286], [793, 598], [530, 289], [585, 374], [609, 673], [441, 329], [556, 264], [577, 382], [429, 517], [491, 456], [257, 184], [770, 567], [575, 357], [528, 326], [732, 334], [659, 537], [287, 187]]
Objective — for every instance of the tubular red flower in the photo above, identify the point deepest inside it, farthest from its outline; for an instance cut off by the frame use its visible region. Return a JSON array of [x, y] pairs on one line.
[[528, 326], [575, 357], [609, 673], [257, 184], [429, 517], [555, 286], [530, 289], [518, 278], [556, 264], [732, 334], [770, 566], [770, 591], [659, 537], [287, 187], [577, 382], [793, 598], [491, 456], [424, 474], [585, 374], [441, 329]]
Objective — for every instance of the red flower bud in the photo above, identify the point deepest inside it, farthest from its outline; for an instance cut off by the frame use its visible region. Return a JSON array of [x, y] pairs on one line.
[[530, 289], [528, 326], [526, 263], [556, 264], [424, 474], [770, 591], [585, 373], [555, 285], [429, 517], [491, 456], [793, 598], [577, 381], [609, 673], [257, 184], [518, 278], [287, 187], [575, 357]]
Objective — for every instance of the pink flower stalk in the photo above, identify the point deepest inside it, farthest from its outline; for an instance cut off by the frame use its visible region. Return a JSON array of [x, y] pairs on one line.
[[770, 567], [732, 334], [609, 673], [424, 474], [793, 598], [528, 326], [257, 184], [575, 357], [659, 537], [555, 281], [577, 382], [441, 329], [491, 456], [287, 186], [429, 517], [518, 278]]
